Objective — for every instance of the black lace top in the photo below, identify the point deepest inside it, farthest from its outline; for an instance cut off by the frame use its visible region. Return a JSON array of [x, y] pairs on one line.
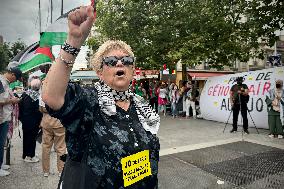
[[111, 137]]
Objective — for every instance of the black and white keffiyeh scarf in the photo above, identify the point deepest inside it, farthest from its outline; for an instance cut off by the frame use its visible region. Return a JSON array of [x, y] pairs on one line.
[[107, 97], [33, 94]]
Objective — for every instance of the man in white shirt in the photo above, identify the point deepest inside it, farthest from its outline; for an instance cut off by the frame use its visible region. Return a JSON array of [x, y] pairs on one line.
[[7, 99]]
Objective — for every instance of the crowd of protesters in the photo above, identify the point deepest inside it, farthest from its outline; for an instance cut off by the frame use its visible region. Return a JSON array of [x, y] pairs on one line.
[[93, 156], [168, 99], [165, 97], [37, 125]]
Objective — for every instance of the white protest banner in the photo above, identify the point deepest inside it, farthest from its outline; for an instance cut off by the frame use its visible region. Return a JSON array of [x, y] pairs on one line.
[[214, 99]]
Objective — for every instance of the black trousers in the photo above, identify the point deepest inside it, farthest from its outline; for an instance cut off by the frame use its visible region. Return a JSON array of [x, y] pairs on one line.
[[154, 101], [236, 109], [29, 142]]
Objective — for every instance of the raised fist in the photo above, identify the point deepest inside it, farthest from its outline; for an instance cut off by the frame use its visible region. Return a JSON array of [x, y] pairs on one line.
[[80, 22]]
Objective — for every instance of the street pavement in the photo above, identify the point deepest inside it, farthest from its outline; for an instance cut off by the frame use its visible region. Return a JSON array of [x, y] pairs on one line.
[[194, 154]]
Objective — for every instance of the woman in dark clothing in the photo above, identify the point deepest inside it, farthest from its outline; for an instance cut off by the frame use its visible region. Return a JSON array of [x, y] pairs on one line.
[[111, 133], [30, 116]]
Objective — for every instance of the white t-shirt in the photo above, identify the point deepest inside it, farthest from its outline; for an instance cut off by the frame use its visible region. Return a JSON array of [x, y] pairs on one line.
[[163, 93], [40, 102], [5, 93]]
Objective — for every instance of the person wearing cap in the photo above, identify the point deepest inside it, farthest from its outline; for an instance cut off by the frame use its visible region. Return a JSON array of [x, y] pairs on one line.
[[275, 102], [7, 100]]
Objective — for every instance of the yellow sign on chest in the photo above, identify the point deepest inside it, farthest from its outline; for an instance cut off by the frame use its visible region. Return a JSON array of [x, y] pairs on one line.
[[136, 167]]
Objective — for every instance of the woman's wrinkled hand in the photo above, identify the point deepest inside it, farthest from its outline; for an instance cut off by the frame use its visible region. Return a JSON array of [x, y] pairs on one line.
[[80, 22]]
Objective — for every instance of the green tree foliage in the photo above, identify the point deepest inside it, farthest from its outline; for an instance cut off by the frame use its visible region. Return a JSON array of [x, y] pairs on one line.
[[4, 56], [265, 17], [16, 47], [165, 31], [9, 51]]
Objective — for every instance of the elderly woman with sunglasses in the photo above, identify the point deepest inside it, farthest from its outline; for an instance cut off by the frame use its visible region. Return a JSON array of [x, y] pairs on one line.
[[110, 132]]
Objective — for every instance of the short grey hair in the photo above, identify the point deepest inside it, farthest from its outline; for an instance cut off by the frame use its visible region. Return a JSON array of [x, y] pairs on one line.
[[105, 48], [35, 84]]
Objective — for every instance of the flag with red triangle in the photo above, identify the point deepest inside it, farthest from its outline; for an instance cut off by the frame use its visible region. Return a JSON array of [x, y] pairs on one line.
[[32, 57]]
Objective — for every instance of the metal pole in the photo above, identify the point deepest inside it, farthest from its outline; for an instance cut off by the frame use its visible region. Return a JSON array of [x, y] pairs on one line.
[[51, 10], [61, 7], [39, 15], [228, 120]]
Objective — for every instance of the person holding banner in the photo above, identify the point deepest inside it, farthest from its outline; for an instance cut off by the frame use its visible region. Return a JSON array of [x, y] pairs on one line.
[[110, 132], [275, 103], [239, 98]]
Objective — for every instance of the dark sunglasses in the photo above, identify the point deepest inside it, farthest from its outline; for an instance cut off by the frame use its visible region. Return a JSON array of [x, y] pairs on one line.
[[112, 60]]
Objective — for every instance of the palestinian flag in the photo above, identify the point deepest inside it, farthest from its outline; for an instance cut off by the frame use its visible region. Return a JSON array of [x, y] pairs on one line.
[[15, 84], [56, 33], [32, 57]]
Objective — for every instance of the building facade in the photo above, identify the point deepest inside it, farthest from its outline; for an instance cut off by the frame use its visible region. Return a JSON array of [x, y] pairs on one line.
[[257, 64]]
